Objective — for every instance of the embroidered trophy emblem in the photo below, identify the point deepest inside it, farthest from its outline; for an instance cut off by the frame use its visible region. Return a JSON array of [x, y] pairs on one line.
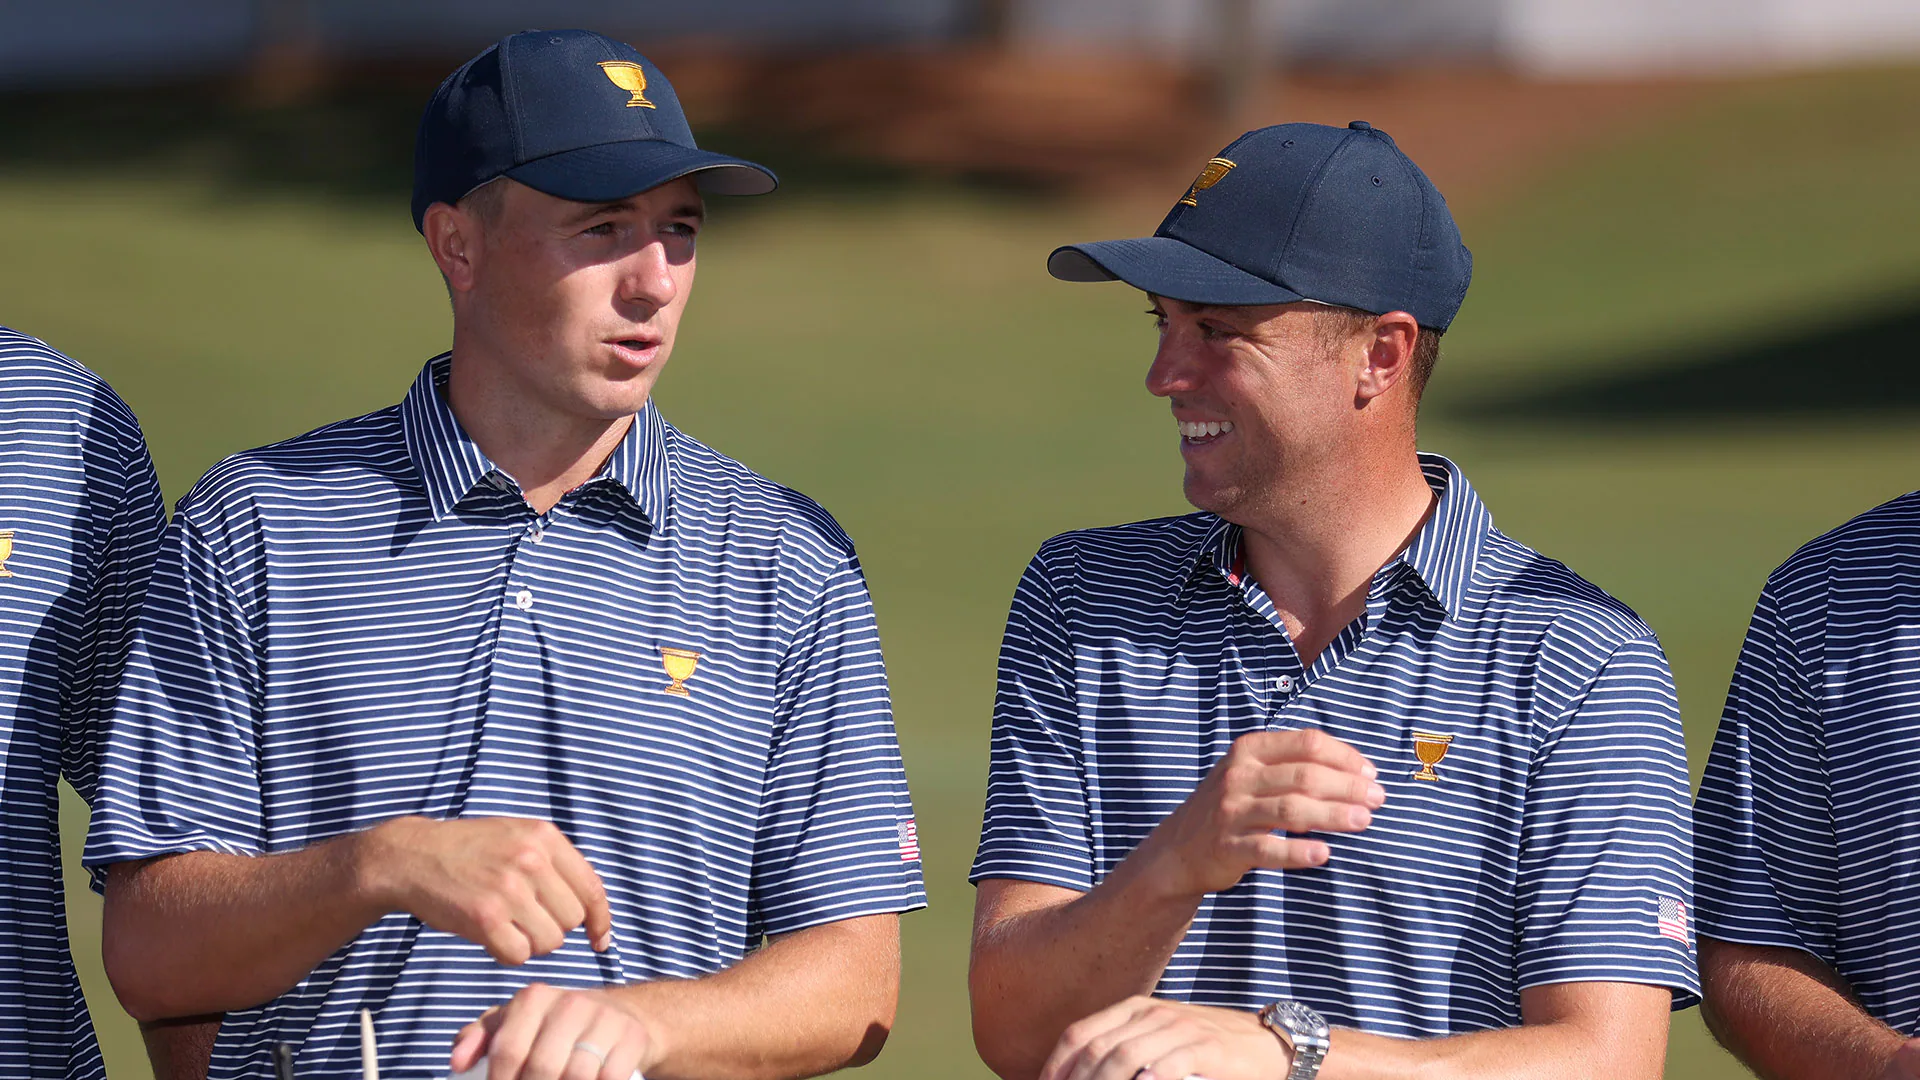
[[628, 76], [1209, 176], [1429, 749], [679, 664], [6, 551]]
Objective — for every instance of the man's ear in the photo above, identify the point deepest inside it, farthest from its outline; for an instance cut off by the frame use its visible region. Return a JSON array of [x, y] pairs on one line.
[[453, 236], [1389, 358]]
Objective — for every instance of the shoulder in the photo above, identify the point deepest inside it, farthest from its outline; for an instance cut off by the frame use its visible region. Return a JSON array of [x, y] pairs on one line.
[[1532, 595], [303, 475], [1145, 559], [722, 505], [39, 381], [1866, 549]]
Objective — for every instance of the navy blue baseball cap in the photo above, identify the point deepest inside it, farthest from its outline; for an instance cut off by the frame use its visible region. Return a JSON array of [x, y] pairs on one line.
[[1297, 212], [569, 112]]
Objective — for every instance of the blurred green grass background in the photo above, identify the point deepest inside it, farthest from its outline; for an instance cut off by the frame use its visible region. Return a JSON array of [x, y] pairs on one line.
[[1688, 350]]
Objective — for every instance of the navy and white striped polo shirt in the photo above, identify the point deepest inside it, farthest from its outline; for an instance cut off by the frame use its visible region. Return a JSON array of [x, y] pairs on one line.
[[1809, 813], [80, 513], [1544, 852], [677, 665]]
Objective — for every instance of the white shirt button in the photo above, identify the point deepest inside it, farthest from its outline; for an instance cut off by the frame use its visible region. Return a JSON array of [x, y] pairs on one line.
[[523, 599], [1284, 684]]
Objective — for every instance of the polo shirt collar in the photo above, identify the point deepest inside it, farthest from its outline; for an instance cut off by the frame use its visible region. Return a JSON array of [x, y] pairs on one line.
[[451, 465], [1442, 555]]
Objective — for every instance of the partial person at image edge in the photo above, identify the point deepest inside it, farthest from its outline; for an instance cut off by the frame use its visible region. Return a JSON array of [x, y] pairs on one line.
[[511, 713], [1809, 906], [80, 515], [1350, 782]]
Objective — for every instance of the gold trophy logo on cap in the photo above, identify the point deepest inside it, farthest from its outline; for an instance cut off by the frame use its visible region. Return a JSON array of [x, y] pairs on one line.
[[628, 76], [1429, 749], [680, 664], [1209, 176]]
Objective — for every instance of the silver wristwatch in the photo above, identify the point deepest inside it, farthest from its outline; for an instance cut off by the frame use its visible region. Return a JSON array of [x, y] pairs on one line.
[[1304, 1031]]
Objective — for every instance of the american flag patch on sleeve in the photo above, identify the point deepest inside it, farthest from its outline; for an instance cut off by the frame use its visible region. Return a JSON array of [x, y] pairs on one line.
[[909, 841], [1673, 919]]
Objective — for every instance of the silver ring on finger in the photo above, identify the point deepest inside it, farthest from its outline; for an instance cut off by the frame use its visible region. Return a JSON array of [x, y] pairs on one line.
[[585, 1047]]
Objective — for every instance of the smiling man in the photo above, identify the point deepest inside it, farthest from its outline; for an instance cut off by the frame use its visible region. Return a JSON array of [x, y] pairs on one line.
[[511, 713], [1332, 777]]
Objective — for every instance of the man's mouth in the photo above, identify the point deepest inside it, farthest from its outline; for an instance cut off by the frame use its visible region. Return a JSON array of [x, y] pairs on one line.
[[638, 350], [1201, 432]]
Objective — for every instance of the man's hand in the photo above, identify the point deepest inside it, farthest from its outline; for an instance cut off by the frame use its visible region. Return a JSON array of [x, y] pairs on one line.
[[513, 886], [1167, 1040], [564, 1034], [1269, 782], [1905, 1064]]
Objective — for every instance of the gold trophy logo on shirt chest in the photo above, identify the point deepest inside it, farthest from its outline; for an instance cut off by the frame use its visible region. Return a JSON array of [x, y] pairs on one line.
[[1430, 749], [680, 665], [6, 551]]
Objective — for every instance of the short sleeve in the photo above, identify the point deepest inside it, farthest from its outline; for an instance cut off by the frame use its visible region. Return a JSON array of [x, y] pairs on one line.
[[179, 767], [1606, 860], [1036, 821], [1769, 871], [836, 836], [126, 514]]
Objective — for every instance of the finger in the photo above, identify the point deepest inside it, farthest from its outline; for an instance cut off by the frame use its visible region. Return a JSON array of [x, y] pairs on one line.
[[1134, 1047], [519, 1024], [556, 1053], [1301, 814], [609, 1033], [471, 1044], [1073, 1041], [1306, 744], [556, 895], [579, 875], [1275, 852], [629, 1053], [1317, 781], [543, 934], [501, 935]]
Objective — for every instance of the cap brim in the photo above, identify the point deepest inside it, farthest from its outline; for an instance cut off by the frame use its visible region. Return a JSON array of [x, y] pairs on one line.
[[616, 170], [1166, 267]]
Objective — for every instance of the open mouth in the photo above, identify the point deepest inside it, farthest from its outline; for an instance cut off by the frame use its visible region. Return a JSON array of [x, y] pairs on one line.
[[1202, 432], [636, 350]]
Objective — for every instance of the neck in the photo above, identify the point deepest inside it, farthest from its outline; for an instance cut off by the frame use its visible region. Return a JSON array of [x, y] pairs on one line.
[[1315, 550], [548, 453]]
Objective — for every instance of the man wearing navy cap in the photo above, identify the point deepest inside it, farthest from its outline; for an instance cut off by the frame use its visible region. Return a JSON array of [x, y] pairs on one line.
[[511, 714], [1352, 784]]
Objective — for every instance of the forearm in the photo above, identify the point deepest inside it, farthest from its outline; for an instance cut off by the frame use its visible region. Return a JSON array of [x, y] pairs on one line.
[[1787, 1015], [1039, 966], [808, 1003], [206, 932], [180, 1049], [1529, 1052]]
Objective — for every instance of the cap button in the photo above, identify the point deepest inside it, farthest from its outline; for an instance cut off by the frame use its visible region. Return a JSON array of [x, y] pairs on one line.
[[1361, 125]]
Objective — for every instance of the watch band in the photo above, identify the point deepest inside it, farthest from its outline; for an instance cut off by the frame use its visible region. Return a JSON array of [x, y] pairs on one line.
[[1304, 1032]]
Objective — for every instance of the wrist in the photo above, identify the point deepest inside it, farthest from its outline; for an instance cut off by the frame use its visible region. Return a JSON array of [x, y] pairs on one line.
[[377, 866]]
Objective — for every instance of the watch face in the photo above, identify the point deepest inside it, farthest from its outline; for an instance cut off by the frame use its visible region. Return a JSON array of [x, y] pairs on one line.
[[1303, 1022]]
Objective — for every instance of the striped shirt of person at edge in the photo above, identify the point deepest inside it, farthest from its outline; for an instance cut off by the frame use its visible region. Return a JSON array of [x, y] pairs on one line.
[[80, 515], [1331, 778], [511, 714], [1807, 816]]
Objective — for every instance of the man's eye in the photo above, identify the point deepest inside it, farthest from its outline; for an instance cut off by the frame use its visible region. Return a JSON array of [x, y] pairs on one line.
[[682, 229], [1214, 333], [605, 228]]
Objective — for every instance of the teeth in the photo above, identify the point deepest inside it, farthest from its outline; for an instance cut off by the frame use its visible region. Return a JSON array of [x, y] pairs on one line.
[[1197, 430]]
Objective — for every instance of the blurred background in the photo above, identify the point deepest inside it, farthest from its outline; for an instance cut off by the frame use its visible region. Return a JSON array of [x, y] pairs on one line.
[[1689, 346]]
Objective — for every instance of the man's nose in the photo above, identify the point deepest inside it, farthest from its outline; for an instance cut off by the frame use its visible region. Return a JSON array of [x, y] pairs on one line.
[[1174, 370], [646, 279]]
